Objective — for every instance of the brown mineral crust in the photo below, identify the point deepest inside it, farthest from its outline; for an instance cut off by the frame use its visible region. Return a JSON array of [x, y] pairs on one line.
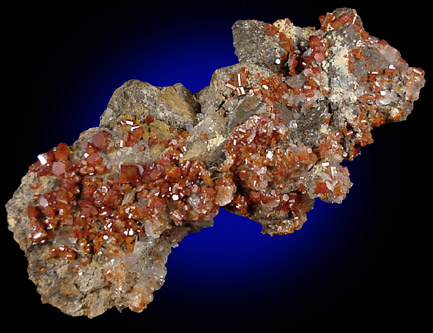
[[175, 105], [267, 137]]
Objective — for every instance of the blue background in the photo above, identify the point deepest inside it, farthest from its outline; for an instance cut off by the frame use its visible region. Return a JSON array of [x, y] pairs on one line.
[[363, 263]]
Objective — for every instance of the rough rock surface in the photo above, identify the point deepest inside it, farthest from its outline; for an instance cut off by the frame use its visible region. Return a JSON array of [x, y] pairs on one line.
[[267, 137]]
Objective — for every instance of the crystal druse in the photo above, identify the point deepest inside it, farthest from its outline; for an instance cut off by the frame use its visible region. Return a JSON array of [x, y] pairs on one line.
[[267, 137]]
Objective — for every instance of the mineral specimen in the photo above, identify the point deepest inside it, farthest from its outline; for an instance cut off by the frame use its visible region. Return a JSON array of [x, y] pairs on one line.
[[267, 137]]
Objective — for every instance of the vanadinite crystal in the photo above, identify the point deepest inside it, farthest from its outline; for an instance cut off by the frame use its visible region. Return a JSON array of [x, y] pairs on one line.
[[267, 137]]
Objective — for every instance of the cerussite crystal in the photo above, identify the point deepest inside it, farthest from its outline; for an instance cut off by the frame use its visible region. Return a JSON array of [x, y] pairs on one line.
[[267, 137]]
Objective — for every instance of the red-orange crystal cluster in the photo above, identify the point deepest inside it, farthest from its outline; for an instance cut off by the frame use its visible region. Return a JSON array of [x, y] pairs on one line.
[[180, 190], [267, 137]]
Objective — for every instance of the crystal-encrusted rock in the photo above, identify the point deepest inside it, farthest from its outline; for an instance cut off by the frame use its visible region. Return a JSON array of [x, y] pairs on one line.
[[96, 220], [267, 137]]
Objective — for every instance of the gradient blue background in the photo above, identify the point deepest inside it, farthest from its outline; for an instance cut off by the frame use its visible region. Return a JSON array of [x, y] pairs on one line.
[[363, 264]]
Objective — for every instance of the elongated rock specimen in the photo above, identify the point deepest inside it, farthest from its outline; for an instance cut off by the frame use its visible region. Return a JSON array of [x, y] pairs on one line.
[[267, 137]]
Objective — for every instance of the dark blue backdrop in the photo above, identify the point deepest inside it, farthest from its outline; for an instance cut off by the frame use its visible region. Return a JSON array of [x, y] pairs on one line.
[[365, 262]]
